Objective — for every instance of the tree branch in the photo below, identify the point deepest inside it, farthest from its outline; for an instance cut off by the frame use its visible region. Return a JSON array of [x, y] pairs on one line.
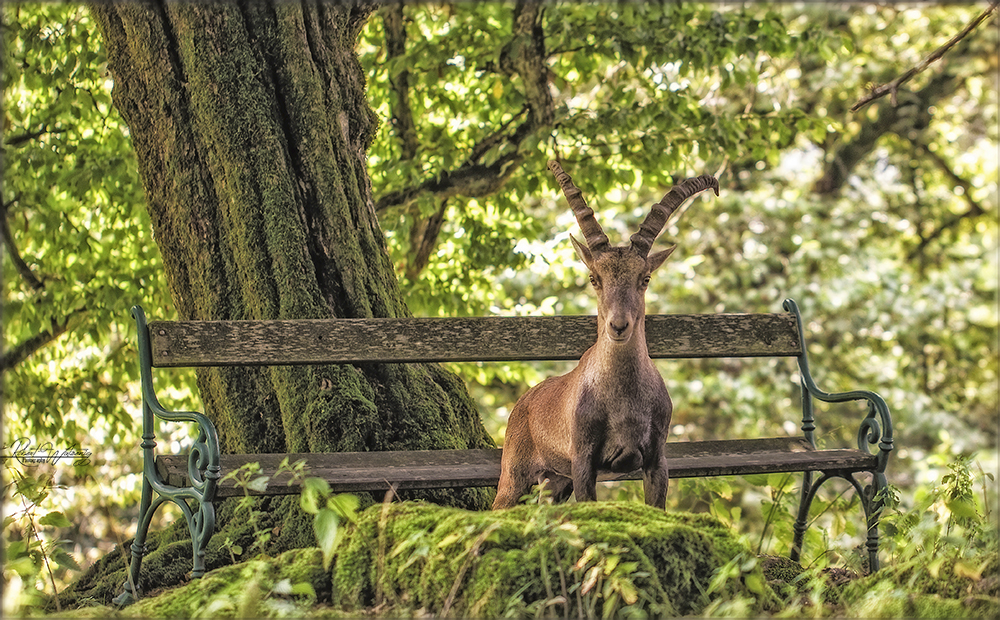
[[28, 136], [974, 207], [526, 51], [423, 238], [402, 116], [525, 56], [15, 255], [893, 87], [974, 210], [25, 349], [912, 116], [495, 138], [469, 179]]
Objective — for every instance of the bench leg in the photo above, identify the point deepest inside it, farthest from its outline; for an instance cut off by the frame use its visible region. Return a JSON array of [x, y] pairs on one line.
[[202, 526], [802, 520], [130, 589], [871, 503]]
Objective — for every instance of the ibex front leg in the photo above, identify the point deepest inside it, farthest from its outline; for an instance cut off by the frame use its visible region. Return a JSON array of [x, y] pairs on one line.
[[655, 479], [589, 429], [584, 476]]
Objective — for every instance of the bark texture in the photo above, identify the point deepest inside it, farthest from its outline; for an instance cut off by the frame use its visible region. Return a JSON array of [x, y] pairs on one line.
[[251, 127]]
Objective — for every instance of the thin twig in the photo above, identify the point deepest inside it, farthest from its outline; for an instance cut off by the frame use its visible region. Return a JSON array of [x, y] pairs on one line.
[[562, 575], [473, 553], [23, 350], [380, 554], [893, 87], [41, 546]]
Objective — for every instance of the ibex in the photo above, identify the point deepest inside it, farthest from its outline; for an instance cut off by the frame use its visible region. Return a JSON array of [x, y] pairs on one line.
[[610, 413]]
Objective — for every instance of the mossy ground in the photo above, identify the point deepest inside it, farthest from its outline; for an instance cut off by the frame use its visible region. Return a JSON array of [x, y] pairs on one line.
[[591, 558], [416, 559]]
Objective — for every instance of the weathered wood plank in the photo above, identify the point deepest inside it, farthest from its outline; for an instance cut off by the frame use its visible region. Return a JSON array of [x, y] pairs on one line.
[[376, 471], [669, 336]]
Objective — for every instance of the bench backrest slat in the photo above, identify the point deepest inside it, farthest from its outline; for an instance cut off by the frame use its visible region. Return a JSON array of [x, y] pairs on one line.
[[321, 341]]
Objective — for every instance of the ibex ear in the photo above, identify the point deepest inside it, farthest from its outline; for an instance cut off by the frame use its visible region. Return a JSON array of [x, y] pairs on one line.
[[583, 252], [655, 260]]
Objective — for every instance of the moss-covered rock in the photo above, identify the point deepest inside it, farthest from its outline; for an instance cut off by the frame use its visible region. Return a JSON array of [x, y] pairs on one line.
[[889, 600], [947, 588], [590, 557], [261, 587], [291, 584]]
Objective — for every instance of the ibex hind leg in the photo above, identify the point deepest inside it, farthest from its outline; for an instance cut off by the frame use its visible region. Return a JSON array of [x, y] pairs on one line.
[[655, 481], [510, 490], [559, 487], [515, 479]]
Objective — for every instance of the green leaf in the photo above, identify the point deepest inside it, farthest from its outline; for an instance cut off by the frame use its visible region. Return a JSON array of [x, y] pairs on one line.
[[259, 484], [962, 508], [61, 557], [23, 566], [309, 500], [345, 505], [55, 519], [450, 539], [754, 583], [758, 480], [313, 491], [326, 526], [304, 589], [16, 548]]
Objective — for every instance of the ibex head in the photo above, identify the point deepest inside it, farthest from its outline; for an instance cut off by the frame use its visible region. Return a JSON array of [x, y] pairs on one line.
[[620, 275]]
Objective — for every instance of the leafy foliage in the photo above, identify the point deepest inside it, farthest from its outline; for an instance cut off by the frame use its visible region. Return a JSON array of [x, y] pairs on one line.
[[881, 224]]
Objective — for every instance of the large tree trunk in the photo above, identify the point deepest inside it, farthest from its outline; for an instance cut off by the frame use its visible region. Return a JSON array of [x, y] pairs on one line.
[[251, 128]]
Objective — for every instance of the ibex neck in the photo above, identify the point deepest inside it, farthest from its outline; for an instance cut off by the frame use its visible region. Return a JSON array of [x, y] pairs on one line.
[[625, 356]]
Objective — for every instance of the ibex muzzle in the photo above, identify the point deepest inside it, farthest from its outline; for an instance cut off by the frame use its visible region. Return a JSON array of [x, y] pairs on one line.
[[610, 413]]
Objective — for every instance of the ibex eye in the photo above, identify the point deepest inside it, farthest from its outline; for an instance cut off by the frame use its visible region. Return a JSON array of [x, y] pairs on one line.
[[645, 281], [593, 280]]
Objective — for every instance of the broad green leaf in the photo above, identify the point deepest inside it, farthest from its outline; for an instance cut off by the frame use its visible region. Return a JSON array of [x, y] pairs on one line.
[[326, 524], [55, 519]]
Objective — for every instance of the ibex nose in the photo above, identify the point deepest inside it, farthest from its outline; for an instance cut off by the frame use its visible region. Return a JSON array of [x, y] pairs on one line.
[[618, 329]]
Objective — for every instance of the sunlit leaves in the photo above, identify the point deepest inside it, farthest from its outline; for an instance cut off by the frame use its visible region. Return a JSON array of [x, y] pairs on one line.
[[75, 210], [642, 91], [896, 274]]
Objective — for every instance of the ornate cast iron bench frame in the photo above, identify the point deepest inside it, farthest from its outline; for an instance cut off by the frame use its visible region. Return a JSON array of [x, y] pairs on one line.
[[192, 481]]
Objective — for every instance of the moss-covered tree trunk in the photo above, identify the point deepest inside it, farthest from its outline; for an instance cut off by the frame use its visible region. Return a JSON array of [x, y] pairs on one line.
[[251, 128]]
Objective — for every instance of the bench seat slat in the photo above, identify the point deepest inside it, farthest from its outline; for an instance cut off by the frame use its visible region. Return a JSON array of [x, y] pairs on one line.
[[375, 471], [321, 341]]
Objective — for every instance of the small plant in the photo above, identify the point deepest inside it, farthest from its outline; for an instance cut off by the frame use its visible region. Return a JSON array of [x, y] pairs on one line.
[[603, 577], [328, 510], [601, 582], [28, 558], [247, 478]]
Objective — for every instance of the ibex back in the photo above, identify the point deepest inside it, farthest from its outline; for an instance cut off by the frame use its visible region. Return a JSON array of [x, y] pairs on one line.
[[610, 413]]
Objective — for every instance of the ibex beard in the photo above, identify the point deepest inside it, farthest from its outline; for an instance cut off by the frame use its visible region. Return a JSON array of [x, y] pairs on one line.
[[612, 412]]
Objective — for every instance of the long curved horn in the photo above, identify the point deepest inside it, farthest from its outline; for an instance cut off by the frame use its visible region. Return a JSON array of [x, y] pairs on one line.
[[593, 234], [661, 211]]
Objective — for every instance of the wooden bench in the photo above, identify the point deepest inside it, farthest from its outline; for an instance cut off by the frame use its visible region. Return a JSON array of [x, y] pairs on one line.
[[192, 481]]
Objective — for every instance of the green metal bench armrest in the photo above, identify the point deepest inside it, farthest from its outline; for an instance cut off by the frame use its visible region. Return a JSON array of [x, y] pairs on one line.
[[203, 459], [875, 429]]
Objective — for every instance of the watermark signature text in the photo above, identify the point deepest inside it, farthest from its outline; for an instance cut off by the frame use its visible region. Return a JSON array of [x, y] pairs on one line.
[[29, 455]]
